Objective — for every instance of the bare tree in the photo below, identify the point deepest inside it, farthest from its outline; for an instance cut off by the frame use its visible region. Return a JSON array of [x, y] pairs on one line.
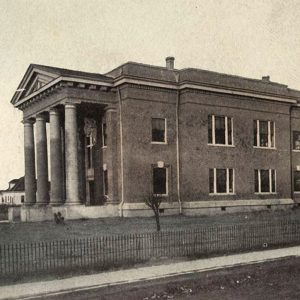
[[154, 201]]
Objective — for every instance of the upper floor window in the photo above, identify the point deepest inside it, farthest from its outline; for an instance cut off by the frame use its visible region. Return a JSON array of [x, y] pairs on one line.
[[264, 134], [104, 134], [265, 181], [296, 140], [159, 130], [220, 130], [221, 181], [160, 181]]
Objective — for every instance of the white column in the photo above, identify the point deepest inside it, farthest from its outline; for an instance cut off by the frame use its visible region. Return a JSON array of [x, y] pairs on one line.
[[29, 156], [71, 153], [42, 160], [56, 159]]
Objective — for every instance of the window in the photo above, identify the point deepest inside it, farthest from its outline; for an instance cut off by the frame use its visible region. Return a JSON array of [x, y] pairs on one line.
[[104, 135], [22, 199], [221, 181], [105, 183], [265, 181], [264, 134], [89, 147], [297, 181], [160, 181], [296, 140], [159, 130], [220, 130]]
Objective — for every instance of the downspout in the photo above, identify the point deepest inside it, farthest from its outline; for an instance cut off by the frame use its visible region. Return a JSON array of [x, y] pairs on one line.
[[121, 154], [291, 155], [177, 145]]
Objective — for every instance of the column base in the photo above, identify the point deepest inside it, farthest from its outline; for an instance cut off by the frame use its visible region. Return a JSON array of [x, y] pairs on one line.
[[56, 203], [69, 212], [72, 203], [41, 204], [29, 204]]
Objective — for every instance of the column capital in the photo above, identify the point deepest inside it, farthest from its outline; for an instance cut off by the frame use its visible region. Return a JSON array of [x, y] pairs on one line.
[[70, 105], [54, 111], [28, 122], [41, 116], [110, 108]]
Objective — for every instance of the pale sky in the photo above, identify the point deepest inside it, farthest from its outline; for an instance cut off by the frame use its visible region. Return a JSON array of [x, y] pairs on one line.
[[247, 38]]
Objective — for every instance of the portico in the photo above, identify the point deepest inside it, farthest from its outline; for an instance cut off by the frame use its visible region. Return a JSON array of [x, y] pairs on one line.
[[79, 141]]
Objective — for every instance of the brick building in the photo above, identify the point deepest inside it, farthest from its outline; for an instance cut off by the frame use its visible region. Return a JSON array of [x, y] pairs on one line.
[[207, 142]]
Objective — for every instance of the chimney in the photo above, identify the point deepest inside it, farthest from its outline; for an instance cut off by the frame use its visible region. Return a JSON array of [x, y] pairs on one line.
[[170, 63], [266, 78]]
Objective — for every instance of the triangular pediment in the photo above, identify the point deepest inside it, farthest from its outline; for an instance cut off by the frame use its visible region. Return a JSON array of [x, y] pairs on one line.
[[37, 82], [34, 79]]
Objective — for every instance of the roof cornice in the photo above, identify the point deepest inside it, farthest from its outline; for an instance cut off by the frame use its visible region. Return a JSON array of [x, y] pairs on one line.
[[211, 88], [160, 84], [58, 81]]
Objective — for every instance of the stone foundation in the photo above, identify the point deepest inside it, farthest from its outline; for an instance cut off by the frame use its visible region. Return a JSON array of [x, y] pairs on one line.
[[36, 213], [207, 207], [71, 212]]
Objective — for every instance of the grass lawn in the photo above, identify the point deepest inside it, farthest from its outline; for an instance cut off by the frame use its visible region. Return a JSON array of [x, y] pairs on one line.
[[45, 231], [3, 212]]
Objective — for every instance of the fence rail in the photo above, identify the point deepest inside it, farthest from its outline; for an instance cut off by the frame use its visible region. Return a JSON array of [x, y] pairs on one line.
[[117, 250]]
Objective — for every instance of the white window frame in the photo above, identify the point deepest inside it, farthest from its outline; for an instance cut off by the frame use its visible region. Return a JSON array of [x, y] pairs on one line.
[[227, 182], [213, 129], [165, 131], [167, 182], [269, 135], [270, 182]]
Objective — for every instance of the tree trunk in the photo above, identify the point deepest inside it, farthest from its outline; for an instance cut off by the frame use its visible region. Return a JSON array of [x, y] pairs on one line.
[[157, 221]]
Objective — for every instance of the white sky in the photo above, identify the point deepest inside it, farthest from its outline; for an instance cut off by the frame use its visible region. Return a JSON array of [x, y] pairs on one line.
[[247, 38]]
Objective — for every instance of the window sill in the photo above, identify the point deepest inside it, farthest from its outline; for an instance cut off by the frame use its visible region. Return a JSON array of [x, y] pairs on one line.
[[266, 148], [221, 145], [159, 143], [104, 147], [265, 193], [296, 150], [297, 192], [222, 194], [160, 195]]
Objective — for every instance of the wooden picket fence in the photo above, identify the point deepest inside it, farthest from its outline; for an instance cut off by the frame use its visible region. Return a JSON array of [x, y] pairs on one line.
[[118, 250]]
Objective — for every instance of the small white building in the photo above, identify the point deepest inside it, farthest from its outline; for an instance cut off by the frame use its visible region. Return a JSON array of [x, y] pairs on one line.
[[15, 194]]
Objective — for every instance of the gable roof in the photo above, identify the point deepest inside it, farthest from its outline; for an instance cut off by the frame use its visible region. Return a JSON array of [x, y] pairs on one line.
[[48, 74], [19, 185]]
